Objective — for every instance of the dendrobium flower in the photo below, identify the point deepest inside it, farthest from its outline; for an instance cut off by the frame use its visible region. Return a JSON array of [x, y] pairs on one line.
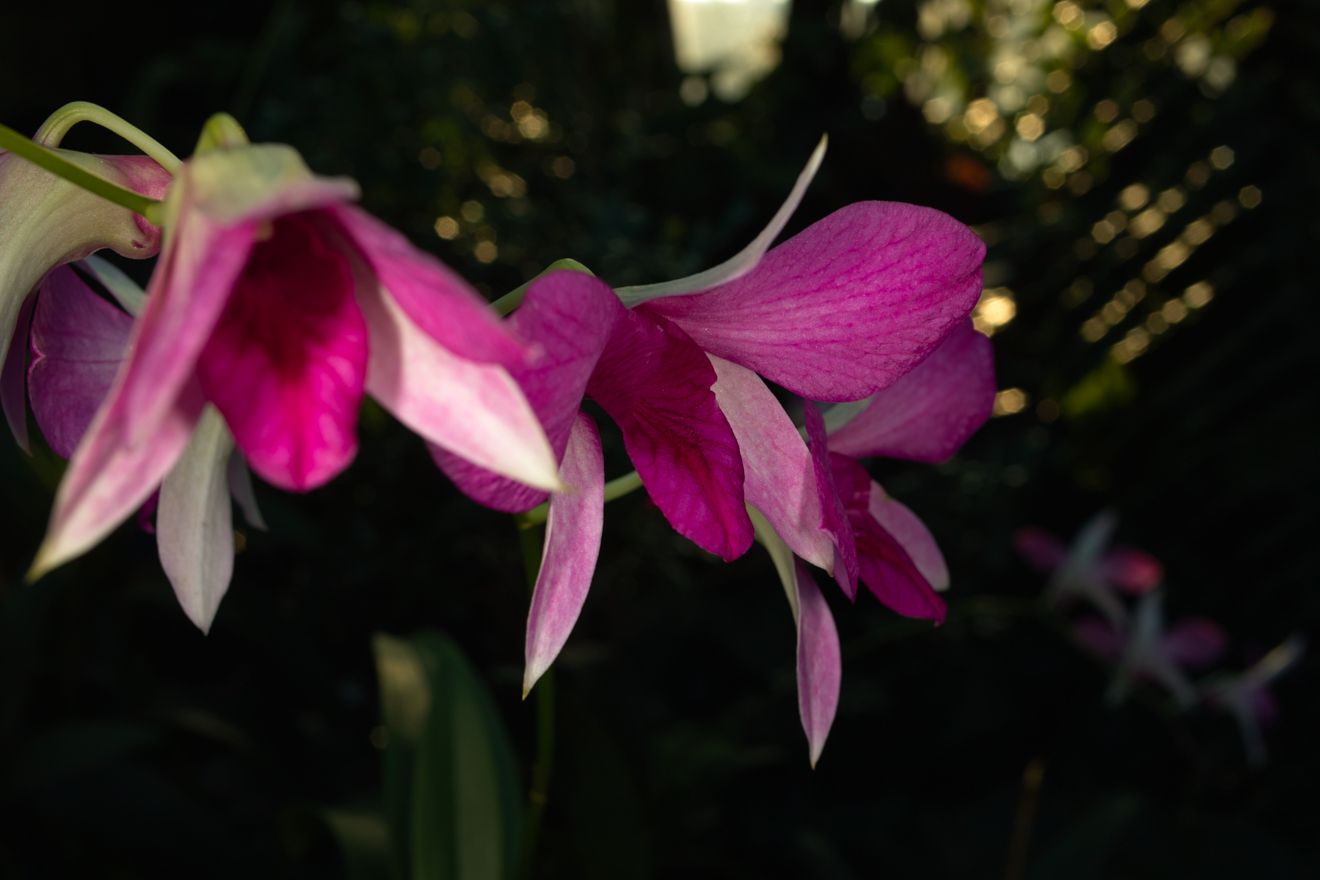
[[46, 221], [276, 305], [1089, 569], [1145, 650], [1247, 697], [839, 312], [78, 344]]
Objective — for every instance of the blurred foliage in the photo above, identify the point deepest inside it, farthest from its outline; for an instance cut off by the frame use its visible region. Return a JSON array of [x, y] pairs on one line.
[[1143, 174]]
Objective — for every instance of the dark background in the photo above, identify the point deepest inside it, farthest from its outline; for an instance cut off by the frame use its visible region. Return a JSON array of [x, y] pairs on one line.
[[131, 746]]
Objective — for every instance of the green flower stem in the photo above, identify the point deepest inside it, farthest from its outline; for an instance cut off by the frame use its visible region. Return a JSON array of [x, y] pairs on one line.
[[61, 167], [57, 125], [511, 300], [543, 761], [615, 488]]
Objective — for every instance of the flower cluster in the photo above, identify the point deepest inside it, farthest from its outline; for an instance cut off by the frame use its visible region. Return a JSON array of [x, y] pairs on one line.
[[1134, 638], [275, 305]]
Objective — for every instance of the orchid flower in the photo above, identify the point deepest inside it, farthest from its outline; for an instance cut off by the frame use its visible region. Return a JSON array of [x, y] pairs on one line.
[[1247, 697], [1090, 570], [839, 312], [79, 342], [926, 415], [46, 221], [1145, 650], [275, 306]]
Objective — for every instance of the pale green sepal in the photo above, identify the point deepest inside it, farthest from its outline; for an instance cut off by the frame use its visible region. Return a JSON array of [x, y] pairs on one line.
[[255, 182], [780, 555], [740, 263], [124, 289], [194, 523], [511, 300], [221, 132]]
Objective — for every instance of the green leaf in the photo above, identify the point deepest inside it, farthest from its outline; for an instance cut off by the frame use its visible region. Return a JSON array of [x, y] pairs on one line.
[[451, 789]]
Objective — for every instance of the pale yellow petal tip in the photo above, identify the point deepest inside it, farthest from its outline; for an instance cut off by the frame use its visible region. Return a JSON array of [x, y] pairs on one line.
[[42, 565], [530, 677]]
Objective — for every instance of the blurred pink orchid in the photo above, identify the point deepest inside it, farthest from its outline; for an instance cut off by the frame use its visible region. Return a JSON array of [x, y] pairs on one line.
[[46, 221], [1089, 569], [1247, 696], [1145, 650], [844, 310], [275, 306]]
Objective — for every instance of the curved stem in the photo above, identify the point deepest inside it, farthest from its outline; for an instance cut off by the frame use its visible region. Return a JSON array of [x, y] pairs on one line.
[[538, 794], [61, 167], [616, 488], [57, 125]]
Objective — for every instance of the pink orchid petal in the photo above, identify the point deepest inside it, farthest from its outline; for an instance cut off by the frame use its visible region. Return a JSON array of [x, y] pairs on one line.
[[780, 480], [928, 414], [245, 496], [109, 477], [185, 298], [287, 360], [194, 524], [79, 342], [1132, 571], [655, 383], [742, 262], [474, 410], [1041, 550], [1195, 642], [1099, 637], [832, 503], [819, 662], [912, 535], [883, 563], [13, 377], [572, 542], [570, 316], [846, 307], [434, 298]]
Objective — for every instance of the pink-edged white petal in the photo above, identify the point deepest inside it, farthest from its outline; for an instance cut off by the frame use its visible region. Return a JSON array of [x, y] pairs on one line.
[[742, 262], [819, 658], [194, 522], [474, 410], [819, 662], [656, 385], [79, 342], [573, 530], [435, 298], [569, 316], [286, 362], [779, 479], [912, 535], [109, 477], [928, 414], [13, 377], [846, 307]]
